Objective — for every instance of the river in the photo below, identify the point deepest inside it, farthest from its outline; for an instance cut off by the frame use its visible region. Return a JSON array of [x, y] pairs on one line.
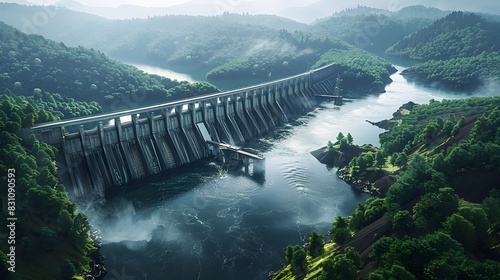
[[201, 222]]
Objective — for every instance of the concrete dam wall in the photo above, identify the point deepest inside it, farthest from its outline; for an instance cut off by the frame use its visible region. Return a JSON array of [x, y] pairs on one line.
[[103, 151]]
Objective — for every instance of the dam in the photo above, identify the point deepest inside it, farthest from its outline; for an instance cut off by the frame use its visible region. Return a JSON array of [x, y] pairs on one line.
[[102, 151]]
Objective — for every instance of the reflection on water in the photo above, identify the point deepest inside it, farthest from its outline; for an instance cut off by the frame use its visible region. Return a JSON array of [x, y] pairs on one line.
[[156, 70], [199, 74], [200, 222]]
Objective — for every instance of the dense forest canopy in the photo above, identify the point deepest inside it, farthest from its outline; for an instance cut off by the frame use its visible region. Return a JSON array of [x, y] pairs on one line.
[[376, 29], [458, 34], [359, 69], [266, 46], [439, 218], [32, 64], [459, 51], [52, 239], [228, 46]]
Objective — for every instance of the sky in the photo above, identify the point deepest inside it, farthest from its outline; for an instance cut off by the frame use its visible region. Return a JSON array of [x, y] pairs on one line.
[[157, 3], [299, 10], [116, 3]]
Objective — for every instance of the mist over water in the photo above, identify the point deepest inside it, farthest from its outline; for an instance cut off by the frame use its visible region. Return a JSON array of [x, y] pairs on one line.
[[201, 222], [156, 70]]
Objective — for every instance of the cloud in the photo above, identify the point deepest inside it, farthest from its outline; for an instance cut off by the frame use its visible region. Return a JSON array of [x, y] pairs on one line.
[[279, 48], [114, 3]]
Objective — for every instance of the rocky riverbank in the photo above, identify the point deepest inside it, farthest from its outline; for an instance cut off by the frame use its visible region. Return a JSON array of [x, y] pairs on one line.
[[340, 157], [375, 182], [396, 116]]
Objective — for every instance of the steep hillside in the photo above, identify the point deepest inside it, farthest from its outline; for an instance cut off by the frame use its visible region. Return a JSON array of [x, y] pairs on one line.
[[439, 214], [457, 35], [459, 51], [31, 64], [46, 237], [375, 29], [169, 38]]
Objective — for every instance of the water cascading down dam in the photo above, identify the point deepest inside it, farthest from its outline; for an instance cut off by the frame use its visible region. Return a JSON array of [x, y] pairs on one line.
[[101, 151]]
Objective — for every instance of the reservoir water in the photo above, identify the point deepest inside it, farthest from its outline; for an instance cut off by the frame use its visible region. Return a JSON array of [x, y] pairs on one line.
[[201, 222]]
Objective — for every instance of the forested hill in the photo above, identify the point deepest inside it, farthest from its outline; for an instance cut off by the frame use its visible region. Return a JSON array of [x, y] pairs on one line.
[[461, 51], [457, 35], [226, 46], [437, 213], [197, 40], [32, 64], [376, 29]]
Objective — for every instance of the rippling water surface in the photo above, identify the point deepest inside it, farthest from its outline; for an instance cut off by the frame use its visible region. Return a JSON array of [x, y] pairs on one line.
[[202, 222]]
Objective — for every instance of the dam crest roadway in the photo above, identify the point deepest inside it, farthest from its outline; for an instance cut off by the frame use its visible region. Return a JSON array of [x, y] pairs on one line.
[[168, 135]]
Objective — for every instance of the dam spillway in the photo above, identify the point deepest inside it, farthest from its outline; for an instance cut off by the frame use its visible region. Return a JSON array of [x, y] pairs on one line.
[[101, 151]]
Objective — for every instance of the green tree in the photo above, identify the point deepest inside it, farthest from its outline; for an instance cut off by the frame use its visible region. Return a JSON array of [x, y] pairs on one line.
[[374, 209], [380, 248], [350, 139], [343, 268], [64, 222], [357, 220], [402, 221], [288, 254], [340, 232], [299, 263], [315, 244], [80, 231], [48, 239], [68, 269], [434, 208], [340, 136], [395, 272], [401, 160], [353, 255], [461, 230], [491, 206], [379, 159], [478, 218], [344, 143], [329, 145]]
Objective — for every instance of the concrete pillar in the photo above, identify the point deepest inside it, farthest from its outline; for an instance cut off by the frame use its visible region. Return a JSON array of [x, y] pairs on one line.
[[135, 127], [256, 106], [178, 113], [156, 145], [109, 166], [119, 132], [69, 164], [146, 162], [170, 141], [246, 164], [247, 107], [259, 168], [86, 156]]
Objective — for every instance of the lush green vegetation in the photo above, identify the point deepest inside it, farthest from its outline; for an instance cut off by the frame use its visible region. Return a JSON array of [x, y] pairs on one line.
[[51, 238], [228, 46], [291, 53], [437, 220], [44, 81], [375, 29], [460, 51], [359, 68], [457, 35], [31, 64], [458, 73]]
